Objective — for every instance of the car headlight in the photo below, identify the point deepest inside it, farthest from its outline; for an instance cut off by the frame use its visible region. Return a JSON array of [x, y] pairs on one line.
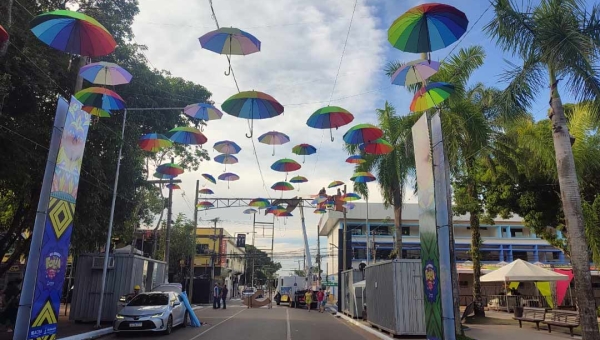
[[119, 316], [158, 315]]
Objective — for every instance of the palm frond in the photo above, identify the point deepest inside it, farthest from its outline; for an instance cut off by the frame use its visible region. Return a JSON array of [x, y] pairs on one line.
[[460, 67], [524, 81], [513, 30]]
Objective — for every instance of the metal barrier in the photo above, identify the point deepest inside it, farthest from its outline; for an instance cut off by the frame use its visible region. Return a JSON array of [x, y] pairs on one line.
[[509, 302]]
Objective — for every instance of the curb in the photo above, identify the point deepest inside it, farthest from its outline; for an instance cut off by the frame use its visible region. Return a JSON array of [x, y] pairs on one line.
[[364, 327]]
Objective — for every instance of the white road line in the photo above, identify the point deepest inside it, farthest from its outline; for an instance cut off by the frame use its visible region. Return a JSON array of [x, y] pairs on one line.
[[287, 318], [215, 326]]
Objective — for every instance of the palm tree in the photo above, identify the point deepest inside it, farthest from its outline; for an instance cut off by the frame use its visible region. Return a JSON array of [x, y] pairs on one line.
[[556, 40], [392, 169]]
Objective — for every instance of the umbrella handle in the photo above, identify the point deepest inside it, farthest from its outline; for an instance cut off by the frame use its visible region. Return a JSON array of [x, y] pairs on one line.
[[331, 134], [251, 129]]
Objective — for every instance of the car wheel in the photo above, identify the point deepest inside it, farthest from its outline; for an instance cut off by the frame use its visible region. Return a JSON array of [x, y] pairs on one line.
[[169, 325], [278, 303], [186, 318]]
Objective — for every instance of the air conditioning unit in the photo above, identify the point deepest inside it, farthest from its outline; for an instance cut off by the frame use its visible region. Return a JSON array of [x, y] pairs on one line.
[[98, 262]]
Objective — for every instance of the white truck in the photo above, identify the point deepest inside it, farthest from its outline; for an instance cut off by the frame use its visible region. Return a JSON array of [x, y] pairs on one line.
[[287, 287]]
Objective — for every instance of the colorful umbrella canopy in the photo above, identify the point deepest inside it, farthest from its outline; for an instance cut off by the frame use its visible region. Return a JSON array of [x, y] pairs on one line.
[[362, 133], [377, 147], [204, 205], [415, 72], [298, 179], [153, 142], [229, 177], [329, 117], [73, 32], [304, 149], [362, 177], [335, 184], [105, 73], [3, 35], [355, 159], [209, 178], [205, 191], [203, 111], [431, 95], [274, 209], [259, 203], [349, 206], [101, 98], [173, 186], [163, 176], [252, 105], [283, 214], [274, 138], [282, 186], [170, 169], [94, 111], [427, 28], [227, 147], [320, 211], [350, 197], [250, 211], [230, 41], [286, 165], [319, 199], [226, 159], [187, 135]]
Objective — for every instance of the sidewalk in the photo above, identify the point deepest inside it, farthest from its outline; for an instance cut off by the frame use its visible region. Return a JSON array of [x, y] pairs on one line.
[[493, 332]]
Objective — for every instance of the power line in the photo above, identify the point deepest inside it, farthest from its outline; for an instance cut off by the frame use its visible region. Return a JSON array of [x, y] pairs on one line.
[[343, 51]]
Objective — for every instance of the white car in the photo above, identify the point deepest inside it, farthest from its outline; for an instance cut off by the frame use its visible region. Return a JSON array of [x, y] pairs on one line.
[[248, 291], [152, 312]]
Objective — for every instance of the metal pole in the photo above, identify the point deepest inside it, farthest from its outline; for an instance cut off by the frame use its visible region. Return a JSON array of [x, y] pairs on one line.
[[110, 223], [319, 255], [168, 233], [368, 233], [308, 263], [254, 255], [214, 256], [344, 250], [193, 256], [33, 259]]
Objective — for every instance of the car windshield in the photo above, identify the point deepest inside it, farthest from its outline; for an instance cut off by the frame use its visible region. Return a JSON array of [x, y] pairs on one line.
[[150, 300]]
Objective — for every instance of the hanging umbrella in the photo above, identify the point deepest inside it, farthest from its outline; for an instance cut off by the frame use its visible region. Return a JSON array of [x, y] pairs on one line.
[[318, 199], [203, 111], [226, 159], [187, 135], [259, 203], [350, 197], [209, 178], [355, 159], [362, 177], [274, 138], [282, 186], [252, 105], [3, 35], [73, 32], [286, 165], [94, 111], [284, 214], [153, 142], [377, 147], [274, 209], [415, 72], [170, 169], [304, 149], [298, 180], [429, 96], [229, 177], [163, 176], [329, 117], [206, 191], [173, 186], [105, 73], [362, 133], [204, 205], [320, 211], [230, 41], [427, 28], [101, 98], [250, 211], [227, 147], [349, 206], [335, 184]]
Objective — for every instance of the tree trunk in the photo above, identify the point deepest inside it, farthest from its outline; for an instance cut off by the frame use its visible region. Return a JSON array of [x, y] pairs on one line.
[[571, 200], [398, 221], [475, 252]]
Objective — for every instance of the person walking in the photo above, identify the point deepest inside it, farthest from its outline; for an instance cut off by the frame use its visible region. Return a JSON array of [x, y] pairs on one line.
[[308, 299], [216, 296], [224, 292], [321, 300]]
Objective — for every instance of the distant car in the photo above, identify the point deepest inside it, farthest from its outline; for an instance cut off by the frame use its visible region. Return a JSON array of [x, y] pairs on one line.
[[151, 312], [249, 291]]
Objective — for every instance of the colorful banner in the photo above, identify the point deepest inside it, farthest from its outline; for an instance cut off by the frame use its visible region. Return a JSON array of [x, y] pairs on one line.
[[59, 225], [546, 292], [563, 286], [428, 229], [223, 251]]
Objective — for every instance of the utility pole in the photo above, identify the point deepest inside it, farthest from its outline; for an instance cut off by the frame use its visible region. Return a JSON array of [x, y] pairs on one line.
[[319, 255], [168, 233], [193, 255], [214, 255]]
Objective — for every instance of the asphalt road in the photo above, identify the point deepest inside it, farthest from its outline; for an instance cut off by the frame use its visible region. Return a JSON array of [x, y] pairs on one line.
[[279, 323]]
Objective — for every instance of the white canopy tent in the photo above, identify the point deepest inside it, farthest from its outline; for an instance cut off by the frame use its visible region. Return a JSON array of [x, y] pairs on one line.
[[523, 271]]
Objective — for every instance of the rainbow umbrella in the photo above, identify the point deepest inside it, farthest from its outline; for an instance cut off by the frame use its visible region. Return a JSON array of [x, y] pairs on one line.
[[350, 197], [362, 177], [349, 206], [320, 211], [226, 159], [304, 149], [252, 105], [204, 205], [94, 111], [427, 28], [355, 159], [415, 72], [203, 111], [227, 147], [3, 35], [73, 32], [163, 176], [173, 186], [153, 142], [230, 41], [286, 165], [283, 214], [229, 177], [377, 147], [274, 209], [105, 73], [431, 95], [362, 133], [274, 138], [329, 117], [282, 186], [250, 211], [206, 191], [335, 184], [209, 178], [187, 135], [318, 199], [101, 98], [170, 169], [298, 179], [259, 203]]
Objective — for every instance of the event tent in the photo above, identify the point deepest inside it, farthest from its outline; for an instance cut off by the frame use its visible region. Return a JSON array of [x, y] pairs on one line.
[[523, 271]]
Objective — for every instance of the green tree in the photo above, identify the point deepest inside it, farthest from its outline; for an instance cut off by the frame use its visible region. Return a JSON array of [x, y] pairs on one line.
[[557, 39], [263, 266], [182, 245]]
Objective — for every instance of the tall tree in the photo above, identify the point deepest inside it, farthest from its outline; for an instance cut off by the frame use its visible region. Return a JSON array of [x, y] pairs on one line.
[[556, 40], [259, 265]]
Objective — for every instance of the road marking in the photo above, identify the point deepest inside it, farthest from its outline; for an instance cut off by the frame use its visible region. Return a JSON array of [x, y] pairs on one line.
[[287, 318], [208, 330]]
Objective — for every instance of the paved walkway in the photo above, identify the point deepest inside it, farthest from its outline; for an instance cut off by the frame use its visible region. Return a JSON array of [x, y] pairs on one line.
[[493, 332]]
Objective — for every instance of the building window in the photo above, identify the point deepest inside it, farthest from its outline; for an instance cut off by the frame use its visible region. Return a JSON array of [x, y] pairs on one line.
[[556, 255], [516, 232], [463, 255], [202, 249], [411, 254], [383, 254], [492, 256], [405, 231], [520, 255], [359, 253]]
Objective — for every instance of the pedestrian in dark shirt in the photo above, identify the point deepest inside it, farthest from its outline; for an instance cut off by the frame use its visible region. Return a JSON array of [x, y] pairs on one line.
[[224, 292]]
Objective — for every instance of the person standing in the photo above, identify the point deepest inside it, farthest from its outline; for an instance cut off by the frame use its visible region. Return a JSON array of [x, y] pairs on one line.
[[308, 299], [224, 292], [216, 296], [321, 300]]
